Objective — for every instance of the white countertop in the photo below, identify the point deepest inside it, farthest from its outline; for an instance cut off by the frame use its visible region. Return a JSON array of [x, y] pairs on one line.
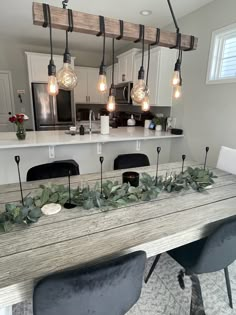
[[8, 140]]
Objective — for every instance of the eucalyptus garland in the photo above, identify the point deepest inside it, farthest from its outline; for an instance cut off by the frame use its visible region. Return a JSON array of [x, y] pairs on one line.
[[114, 195]]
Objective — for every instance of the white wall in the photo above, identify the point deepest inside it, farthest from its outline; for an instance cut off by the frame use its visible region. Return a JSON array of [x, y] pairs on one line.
[[207, 113]]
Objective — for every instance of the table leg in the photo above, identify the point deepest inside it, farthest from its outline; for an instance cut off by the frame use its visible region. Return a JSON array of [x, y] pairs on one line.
[[6, 310]]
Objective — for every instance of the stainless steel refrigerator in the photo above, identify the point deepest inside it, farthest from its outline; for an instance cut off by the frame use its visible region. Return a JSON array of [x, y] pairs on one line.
[[52, 112]]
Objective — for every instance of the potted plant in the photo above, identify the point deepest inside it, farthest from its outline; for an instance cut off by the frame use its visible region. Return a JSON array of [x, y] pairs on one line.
[[18, 120], [157, 122]]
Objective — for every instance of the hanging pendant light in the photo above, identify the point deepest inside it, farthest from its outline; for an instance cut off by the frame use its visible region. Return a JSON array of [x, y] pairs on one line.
[[66, 76], [140, 90], [102, 79], [111, 104], [177, 78], [52, 86], [146, 100]]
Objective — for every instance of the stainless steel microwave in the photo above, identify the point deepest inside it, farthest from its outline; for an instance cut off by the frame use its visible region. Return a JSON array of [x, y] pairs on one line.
[[123, 93]]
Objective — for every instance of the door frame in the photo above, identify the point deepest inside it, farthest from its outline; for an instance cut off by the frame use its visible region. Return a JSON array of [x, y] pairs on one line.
[[11, 88]]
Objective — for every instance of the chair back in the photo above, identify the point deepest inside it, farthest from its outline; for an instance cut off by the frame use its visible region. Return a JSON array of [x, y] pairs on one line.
[[227, 160], [53, 170], [131, 160], [219, 250], [111, 287]]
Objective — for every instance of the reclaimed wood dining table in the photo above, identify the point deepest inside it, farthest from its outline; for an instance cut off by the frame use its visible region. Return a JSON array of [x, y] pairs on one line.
[[77, 237]]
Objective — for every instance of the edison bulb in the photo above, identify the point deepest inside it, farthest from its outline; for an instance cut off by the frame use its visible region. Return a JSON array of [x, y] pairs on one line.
[[178, 91], [66, 77], [52, 86], [111, 104], [176, 78], [146, 104], [102, 83], [139, 91]]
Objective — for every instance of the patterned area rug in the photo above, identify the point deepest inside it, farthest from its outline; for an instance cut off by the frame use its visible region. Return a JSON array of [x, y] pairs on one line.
[[163, 296]]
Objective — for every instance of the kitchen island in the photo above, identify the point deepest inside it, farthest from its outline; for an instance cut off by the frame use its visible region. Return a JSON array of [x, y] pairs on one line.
[[46, 146]]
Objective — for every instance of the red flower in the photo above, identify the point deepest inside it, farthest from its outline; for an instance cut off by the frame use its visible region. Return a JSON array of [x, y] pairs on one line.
[[20, 120], [12, 119]]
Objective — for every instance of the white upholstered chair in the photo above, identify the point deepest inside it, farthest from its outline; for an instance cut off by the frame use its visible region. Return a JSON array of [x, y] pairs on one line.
[[227, 160]]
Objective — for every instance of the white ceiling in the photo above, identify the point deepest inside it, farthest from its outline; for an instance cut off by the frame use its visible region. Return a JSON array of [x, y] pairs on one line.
[[16, 18]]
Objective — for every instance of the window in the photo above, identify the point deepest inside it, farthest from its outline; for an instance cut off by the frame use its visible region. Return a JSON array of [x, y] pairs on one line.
[[222, 59]]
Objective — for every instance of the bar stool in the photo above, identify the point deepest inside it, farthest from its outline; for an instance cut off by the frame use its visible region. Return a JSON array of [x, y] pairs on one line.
[[108, 288], [210, 254], [131, 160], [53, 170]]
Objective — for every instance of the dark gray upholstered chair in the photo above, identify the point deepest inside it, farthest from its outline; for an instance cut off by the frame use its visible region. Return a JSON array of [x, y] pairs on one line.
[[130, 160], [210, 254], [109, 288], [53, 170]]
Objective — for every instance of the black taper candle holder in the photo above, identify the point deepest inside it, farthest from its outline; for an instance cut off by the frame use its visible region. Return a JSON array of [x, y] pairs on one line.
[[17, 160], [207, 150], [183, 159], [69, 205], [158, 153], [101, 159]]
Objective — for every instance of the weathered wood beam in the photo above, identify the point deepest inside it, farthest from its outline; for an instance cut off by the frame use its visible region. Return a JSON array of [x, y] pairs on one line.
[[89, 24]]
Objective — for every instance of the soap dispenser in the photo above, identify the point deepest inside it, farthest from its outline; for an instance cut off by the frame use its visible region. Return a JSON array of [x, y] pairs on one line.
[[131, 122]]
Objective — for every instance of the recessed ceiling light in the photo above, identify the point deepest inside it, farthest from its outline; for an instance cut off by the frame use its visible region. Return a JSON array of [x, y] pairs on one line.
[[146, 12]]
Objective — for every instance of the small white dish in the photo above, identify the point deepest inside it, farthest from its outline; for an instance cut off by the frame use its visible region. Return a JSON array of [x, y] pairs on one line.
[[51, 208]]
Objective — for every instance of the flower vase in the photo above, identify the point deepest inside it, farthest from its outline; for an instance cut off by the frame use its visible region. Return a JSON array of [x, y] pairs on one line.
[[20, 133]]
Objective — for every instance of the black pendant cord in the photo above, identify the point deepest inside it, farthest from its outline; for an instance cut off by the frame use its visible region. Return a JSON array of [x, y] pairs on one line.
[[148, 64], [173, 16], [17, 160], [143, 37], [50, 32], [113, 61], [102, 32], [104, 48], [207, 150]]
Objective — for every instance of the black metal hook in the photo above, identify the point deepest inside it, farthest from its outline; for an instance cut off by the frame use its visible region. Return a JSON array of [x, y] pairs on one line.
[[65, 3], [158, 33], [45, 15], [192, 42], [102, 25], [141, 33], [178, 41], [70, 21], [121, 30]]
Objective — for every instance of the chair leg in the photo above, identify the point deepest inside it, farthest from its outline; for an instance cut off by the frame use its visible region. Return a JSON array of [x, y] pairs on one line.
[[226, 270], [152, 268], [197, 306]]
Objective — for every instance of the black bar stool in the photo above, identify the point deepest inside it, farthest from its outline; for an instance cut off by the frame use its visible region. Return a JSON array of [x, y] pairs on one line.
[[130, 160], [53, 170], [109, 288], [210, 254]]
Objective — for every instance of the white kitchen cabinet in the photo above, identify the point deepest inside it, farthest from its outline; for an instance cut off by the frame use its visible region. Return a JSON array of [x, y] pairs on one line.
[[80, 91], [86, 91], [126, 64], [161, 70], [38, 66], [109, 79]]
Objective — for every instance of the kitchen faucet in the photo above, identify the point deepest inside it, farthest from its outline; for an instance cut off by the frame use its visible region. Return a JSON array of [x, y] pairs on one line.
[[91, 117]]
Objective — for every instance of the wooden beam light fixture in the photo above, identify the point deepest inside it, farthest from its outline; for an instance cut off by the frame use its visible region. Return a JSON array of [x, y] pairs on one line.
[[89, 24]]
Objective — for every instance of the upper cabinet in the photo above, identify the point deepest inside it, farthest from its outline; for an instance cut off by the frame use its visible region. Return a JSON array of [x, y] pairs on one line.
[[86, 91], [38, 66], [162, 63], [126, 65]]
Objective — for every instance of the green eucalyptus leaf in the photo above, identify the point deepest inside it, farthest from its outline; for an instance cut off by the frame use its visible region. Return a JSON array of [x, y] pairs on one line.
[[35, 213], [54, 197], [45, 196]]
